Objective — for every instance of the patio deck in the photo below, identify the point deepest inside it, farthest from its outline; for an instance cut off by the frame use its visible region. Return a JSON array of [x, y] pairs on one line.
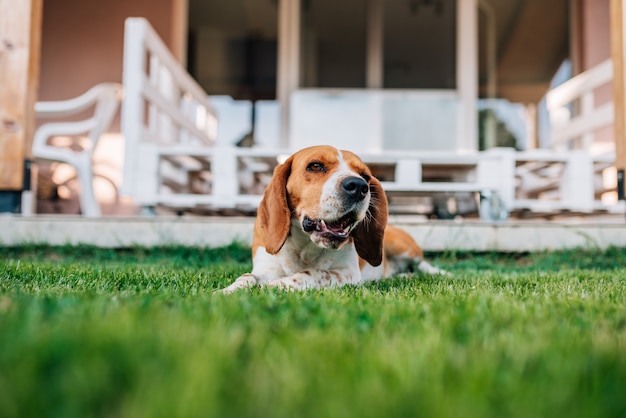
[[469, 235]]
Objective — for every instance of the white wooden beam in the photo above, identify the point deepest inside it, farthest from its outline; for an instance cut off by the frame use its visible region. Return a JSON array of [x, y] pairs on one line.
[[467, 73], [178, 39], [375, 44]]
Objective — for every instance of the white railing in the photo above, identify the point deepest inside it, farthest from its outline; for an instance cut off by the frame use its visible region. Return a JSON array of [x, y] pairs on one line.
[[175, 159], [574, 115], [440, 175], [163, 108], [568, 177], [553, 182], [173, 155]]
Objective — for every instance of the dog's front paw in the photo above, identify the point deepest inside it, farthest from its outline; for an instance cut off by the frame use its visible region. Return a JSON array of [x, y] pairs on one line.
[[243, 282], [288, 283]]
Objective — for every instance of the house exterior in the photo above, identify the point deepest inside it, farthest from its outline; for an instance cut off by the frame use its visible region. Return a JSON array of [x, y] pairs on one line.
[[368, 75]]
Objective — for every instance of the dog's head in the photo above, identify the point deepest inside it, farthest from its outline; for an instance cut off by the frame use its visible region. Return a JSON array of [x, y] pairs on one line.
[[332, 196]]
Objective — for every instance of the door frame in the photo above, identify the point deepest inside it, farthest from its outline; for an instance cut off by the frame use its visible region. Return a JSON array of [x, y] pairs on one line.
[[289, 63]]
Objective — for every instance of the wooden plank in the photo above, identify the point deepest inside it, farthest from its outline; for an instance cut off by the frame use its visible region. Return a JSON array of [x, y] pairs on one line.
[[288, 61], [375, 44], [618, 8], [178, 39], [20, 35]]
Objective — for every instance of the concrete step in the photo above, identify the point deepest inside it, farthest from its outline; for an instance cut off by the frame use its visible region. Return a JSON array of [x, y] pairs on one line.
[[470, 235]]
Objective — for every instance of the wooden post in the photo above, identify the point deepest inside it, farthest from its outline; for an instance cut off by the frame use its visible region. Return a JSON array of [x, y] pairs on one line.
[[178, 39], [375, 44], [618, 8], [288, 61], [20, 35]]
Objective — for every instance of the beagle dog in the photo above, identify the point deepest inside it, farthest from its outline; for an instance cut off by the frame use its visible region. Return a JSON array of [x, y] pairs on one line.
[[323, 223]]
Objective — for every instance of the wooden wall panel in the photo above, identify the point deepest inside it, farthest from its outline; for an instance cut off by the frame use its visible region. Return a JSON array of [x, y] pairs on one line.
[[20, 34]]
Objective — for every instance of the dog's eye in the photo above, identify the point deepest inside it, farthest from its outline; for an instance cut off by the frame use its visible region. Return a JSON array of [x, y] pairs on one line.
[[366, 177], [315, 167]]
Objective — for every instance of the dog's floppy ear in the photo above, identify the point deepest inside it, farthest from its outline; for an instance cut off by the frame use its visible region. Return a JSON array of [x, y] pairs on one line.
[[274, 215], [369, 234]]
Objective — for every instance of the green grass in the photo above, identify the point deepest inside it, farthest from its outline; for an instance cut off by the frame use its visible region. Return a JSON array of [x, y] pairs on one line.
[[86, 332]]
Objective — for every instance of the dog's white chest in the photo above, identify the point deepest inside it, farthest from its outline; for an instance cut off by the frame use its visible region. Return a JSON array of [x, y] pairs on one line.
[[309, 255], [299, 253]]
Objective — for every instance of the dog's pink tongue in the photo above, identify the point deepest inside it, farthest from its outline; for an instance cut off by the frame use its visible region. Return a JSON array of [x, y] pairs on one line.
[[334, 230]]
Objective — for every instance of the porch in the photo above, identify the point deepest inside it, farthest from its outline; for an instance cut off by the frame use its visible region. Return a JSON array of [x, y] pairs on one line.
[[417, 158], [176, 158]]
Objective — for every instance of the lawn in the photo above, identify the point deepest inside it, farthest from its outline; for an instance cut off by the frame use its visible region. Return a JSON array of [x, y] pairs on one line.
[[88, 332]]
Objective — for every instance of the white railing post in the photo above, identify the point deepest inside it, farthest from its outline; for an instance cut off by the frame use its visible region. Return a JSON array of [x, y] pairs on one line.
[[496, 172], [225, 175], [132, 105], [567, 127], [577, 184], [408, 172], [148, 174]]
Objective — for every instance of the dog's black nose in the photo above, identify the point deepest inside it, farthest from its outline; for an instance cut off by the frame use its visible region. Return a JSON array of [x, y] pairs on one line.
[[355, 188]]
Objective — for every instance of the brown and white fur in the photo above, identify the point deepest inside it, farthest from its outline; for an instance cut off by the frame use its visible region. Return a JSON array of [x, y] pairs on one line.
[[323, 223]]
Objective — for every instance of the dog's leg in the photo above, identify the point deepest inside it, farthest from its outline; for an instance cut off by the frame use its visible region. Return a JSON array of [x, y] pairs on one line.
[[425, 267], [404, 254], [316, 279], [245, 281]]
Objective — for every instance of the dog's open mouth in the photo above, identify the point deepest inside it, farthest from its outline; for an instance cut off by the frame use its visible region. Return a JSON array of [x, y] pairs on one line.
[[337, 229]]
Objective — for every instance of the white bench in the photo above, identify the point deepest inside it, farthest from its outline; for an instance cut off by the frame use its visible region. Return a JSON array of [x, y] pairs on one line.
[[406, 174], [102, 100]]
